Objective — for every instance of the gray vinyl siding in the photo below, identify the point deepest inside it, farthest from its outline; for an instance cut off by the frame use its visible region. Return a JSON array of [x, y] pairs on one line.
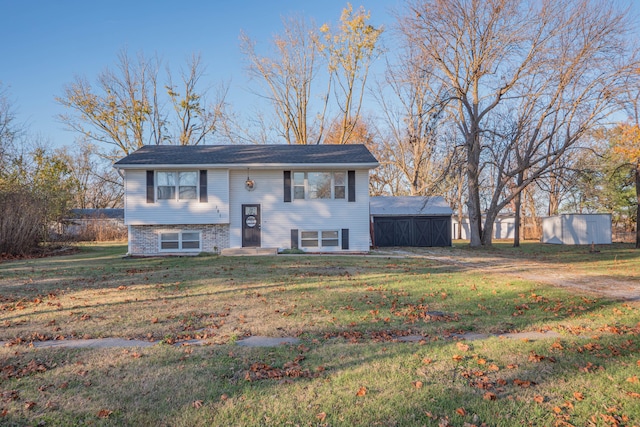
[[279, 218], [171, 212]]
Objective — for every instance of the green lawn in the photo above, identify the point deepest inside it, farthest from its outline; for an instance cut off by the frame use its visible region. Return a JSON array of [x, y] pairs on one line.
[[349, 368]]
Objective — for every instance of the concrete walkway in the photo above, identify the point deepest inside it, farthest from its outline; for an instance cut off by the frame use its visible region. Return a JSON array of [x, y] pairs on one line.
[[258, 341]]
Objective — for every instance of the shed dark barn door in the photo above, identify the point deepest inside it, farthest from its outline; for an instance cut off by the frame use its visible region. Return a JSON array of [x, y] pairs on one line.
[[384, 231], [403, 232], [422, 232], [441, 232], [412, 231]]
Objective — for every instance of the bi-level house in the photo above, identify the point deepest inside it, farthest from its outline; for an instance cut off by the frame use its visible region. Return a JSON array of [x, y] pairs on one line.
[[191, 199]]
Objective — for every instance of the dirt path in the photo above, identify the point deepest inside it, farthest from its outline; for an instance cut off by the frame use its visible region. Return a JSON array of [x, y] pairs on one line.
[[556, 274]]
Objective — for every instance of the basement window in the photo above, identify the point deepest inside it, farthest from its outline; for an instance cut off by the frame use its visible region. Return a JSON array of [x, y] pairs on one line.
[[180, 241], [315, 239]]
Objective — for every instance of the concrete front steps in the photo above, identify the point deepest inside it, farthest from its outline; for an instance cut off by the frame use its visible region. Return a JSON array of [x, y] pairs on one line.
[[249, 251]]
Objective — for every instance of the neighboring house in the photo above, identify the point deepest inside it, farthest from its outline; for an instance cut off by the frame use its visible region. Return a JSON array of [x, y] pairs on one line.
[[191, 199], [80, 223], [577, 229], [410, 221]]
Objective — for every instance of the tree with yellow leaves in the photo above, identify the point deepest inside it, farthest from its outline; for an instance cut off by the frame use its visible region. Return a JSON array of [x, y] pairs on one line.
[[627, 145], [350, 50]]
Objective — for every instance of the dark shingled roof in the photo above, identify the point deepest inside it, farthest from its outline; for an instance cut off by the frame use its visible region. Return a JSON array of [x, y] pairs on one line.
[[248, 154]]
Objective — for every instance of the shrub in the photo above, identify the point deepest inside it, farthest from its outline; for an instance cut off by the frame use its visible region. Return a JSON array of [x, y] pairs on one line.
[[22, 222]]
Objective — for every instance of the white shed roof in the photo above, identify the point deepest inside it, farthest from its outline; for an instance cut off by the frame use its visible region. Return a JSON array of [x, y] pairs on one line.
[[409, 205]]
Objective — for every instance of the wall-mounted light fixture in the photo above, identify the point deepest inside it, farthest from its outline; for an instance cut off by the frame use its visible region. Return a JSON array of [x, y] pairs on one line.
[[249, 184]]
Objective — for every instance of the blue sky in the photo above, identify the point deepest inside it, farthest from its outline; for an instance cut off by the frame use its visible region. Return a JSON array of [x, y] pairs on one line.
[[45, 43]]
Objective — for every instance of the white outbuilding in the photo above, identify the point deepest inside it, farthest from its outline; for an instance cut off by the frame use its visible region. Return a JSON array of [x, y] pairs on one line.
[[577, 229]]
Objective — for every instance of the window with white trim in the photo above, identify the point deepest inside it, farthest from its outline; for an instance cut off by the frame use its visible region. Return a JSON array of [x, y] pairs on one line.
[[177, 185], [180, 241], [322, 238], [319, 185]]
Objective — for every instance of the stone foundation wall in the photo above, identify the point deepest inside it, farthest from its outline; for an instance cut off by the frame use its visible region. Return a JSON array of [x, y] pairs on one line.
[[145, 239]]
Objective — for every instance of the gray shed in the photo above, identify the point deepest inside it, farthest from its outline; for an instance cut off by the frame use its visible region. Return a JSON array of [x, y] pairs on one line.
[[410, 221], [577, 229]]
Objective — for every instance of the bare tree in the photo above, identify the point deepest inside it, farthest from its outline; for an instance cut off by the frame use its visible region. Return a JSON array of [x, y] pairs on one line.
[[288, 75], [9, 128], [414, 117], [97, 185], [126, 108], [195, 119], [122, 110], [528, 79], [292, 78]]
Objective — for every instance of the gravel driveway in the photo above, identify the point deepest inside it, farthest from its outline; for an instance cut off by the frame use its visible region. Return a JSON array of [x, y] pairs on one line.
[[552, 273]]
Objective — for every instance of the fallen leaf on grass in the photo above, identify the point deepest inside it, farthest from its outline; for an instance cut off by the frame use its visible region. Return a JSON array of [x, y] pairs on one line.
[[633, 379], [427, 361], [417, 384], [533, 357], [104, 413], [29, 405], [321, 416], [457, 357], [523, 383], [578, 396], [633, 394], [197, 404], [361, 392], [462, 346], [489, 396], [461, 412], [538, 399]]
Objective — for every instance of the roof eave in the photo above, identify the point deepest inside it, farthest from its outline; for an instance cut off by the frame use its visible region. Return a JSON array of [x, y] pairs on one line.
[[272, 166]]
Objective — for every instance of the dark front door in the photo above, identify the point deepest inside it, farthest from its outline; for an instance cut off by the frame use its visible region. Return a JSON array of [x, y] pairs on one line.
[[250, 226]]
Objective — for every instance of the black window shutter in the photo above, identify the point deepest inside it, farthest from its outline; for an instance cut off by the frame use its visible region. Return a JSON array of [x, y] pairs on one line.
[[345, 238], [287, 186], [150, 187], [203, 186], [351, 183], [294, 239]]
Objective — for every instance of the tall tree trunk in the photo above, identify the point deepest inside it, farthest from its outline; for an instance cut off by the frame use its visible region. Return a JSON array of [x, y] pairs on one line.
[[638, 207], [475, 215], [518, 203], [460, 213], [553, 194], [487, 231], [473, 184]]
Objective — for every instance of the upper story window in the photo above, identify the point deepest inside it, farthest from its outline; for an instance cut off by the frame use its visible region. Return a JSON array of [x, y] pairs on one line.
[[177, 185], [319, 185]]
